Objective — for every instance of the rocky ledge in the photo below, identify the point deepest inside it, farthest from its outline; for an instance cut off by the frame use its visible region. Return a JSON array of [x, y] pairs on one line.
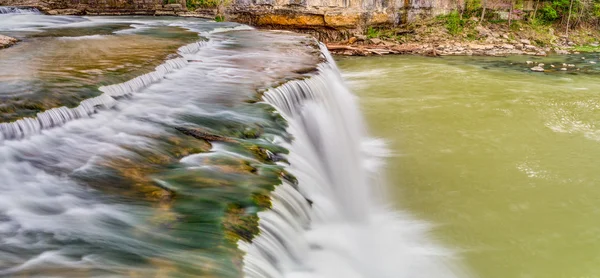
[[6, 41], [365, 47], [432, 38]]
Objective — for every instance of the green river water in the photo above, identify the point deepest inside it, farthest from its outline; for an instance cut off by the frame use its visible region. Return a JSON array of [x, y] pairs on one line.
[[501, 160]]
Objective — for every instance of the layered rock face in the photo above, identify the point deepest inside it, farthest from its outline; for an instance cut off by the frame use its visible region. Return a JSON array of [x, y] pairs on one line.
[[326, 19], [101, 7], [329, 20]]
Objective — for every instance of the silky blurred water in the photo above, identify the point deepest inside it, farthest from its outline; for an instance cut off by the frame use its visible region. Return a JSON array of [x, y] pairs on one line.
[[502, 160], [127, 190]]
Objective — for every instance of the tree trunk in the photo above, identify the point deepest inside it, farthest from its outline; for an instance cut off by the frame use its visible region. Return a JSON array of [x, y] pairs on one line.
[[537, 4], [512, 4], [483, 4], [569, 18], [581, 11]]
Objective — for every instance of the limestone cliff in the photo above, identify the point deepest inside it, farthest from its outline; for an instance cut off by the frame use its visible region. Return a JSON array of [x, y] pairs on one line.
[[326, 19]]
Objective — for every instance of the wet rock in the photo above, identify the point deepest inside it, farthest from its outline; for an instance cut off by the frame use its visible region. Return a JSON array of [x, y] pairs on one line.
[[592, 62], [561, 51], [203, 134], [6, 41], [563, 69], [537, 69], [529, 62]]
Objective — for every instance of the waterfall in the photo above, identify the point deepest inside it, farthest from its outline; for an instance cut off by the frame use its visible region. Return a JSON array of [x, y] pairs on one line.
[[58, 116], [17, 10], [335, 222]]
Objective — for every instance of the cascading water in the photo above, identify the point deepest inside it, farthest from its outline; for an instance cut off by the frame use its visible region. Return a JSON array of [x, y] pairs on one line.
[[60, 115], [17, 10], [335, 221], [113, 187], [122, 192]]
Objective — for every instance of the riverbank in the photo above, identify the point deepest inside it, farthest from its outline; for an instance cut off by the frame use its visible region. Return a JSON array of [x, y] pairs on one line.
[[433, 37]]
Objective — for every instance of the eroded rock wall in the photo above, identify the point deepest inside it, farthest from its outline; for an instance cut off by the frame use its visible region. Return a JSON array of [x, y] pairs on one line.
[[329, 20]]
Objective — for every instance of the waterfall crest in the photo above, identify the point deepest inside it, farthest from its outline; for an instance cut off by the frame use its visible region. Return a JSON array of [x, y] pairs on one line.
[[17, 10], [335, 221], [58, 116]]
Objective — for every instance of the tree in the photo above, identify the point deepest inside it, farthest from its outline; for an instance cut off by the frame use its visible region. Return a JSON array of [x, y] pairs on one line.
[[537, 4], [569, 18], [484, 6], [512, 6]]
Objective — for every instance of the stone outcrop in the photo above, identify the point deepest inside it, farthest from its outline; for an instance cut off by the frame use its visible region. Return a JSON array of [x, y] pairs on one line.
[[6, 41], [102, 7], [329, 20]]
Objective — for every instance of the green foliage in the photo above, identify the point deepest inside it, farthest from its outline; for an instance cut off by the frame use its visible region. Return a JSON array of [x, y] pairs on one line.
[[373, 33], [453, 23], [596, 9], [219, 18], [548, 13], [170, 2], [195, 4]]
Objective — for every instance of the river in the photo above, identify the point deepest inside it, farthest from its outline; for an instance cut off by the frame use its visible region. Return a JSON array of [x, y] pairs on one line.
[[499, 159], [182, 147]]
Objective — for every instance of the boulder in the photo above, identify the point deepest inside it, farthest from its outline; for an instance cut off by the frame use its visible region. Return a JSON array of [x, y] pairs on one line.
[[537, 69], [174, 7], [6, 41], [375, 41], [483, 32], [529, 46], [508, 46], [525, 41]]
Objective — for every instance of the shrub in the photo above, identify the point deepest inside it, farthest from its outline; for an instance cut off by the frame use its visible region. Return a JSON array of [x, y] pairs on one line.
[[373, 33], [453, 23]]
